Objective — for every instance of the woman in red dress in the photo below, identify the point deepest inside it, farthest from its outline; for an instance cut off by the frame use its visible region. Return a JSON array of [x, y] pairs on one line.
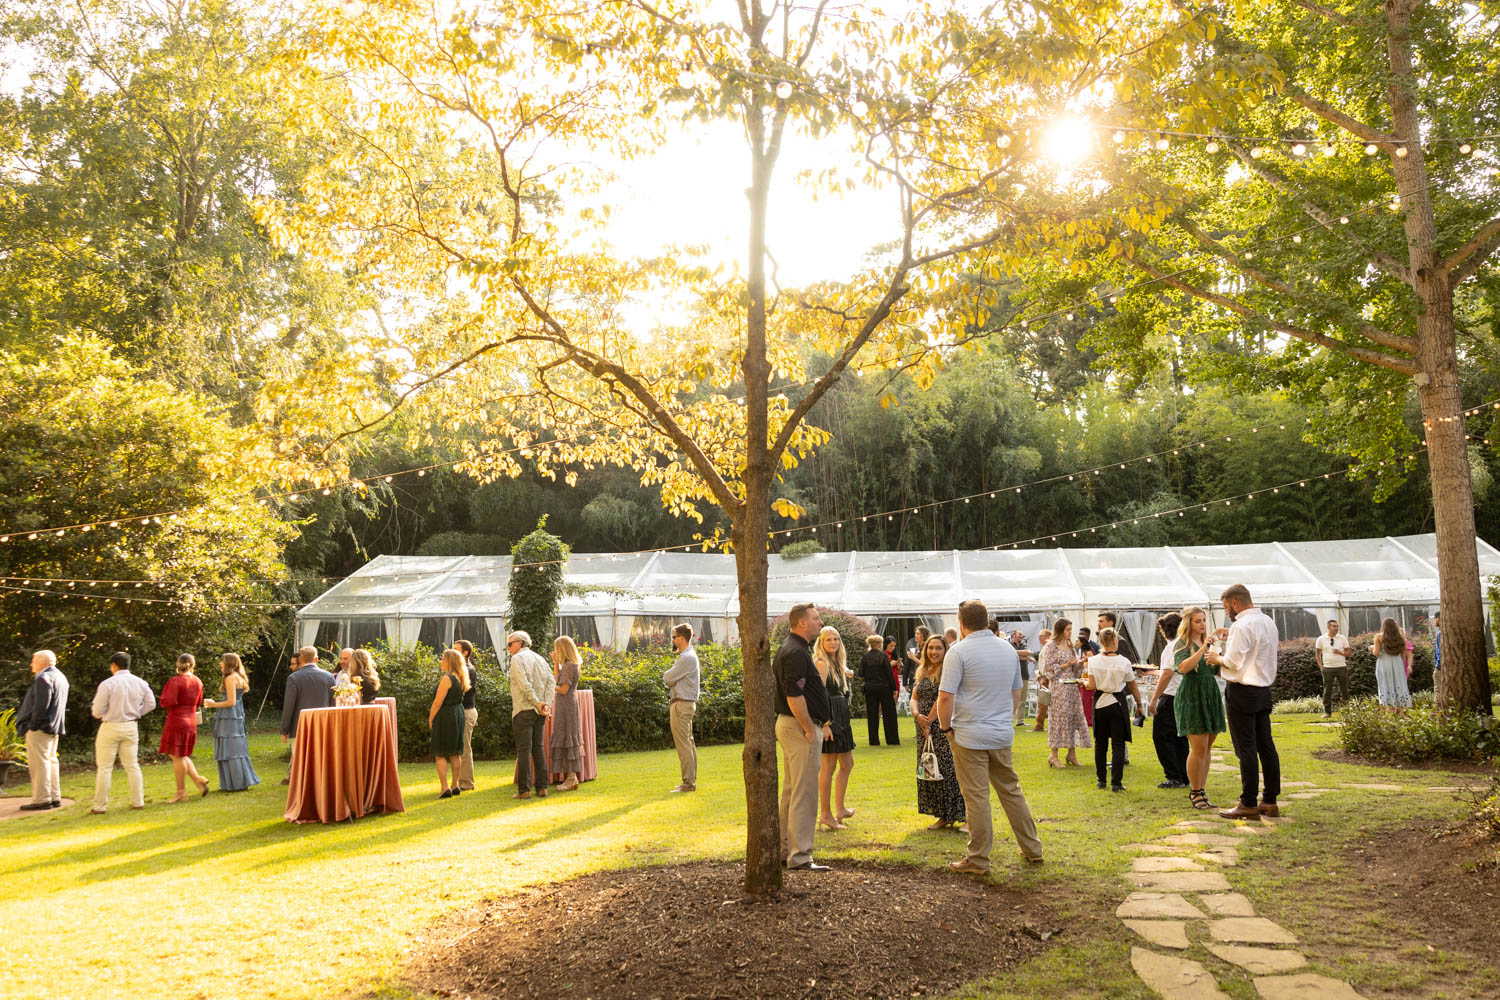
[[181, 698]]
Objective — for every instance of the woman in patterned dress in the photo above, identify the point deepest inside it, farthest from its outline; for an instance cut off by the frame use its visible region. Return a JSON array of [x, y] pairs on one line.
[[567, 724], [1066, 725], [941, 799]]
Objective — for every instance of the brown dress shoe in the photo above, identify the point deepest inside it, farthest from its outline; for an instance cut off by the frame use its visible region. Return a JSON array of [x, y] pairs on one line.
[[1269, 809], [1240, 811]]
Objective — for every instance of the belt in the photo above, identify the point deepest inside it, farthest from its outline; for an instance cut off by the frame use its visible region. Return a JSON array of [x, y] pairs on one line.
[[690, 701]]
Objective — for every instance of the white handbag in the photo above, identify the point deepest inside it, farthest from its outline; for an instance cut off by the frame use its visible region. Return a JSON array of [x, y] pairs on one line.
[[927, 762]]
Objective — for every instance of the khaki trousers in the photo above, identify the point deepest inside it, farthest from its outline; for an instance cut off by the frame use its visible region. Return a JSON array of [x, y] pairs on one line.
[[977, 771], [682, 736], [466, 762], [799, 789], [41, 761], [122, 739]]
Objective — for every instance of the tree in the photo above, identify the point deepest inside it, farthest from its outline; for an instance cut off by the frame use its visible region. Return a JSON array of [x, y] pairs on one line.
[[88, 437], [1323, 216], [465, 196], [536, 585]]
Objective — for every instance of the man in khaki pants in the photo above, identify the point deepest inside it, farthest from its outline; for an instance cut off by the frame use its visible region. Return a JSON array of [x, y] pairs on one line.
[[978, 700], [120, 701], [682, 681], [802, 714]]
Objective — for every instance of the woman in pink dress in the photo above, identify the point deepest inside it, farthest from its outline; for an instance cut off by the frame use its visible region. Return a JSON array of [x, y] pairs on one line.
[[1066, 726], [182, 698]]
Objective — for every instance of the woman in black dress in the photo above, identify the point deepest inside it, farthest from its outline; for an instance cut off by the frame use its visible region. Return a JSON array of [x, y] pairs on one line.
[[838, 752], [880, 691], [941, 799], [446, 719]]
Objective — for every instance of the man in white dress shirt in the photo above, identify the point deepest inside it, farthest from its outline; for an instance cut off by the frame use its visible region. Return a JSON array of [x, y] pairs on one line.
[[1248, 665], [121, 700]]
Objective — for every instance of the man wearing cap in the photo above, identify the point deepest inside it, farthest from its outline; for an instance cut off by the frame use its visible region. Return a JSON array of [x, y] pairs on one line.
[[531, 692]]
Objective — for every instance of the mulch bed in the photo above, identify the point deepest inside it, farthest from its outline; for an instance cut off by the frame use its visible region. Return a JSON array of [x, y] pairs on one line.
[[862, 930], [1456, 766]]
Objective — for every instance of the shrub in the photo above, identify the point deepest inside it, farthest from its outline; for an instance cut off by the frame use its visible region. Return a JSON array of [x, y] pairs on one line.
[[852, 630], [1415, 734], [1487, 810], [799, 550], [1298, 676], [410, 675], [1297, 706]]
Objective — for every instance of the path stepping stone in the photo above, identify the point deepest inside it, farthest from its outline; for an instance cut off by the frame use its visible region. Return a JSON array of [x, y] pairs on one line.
[[1201, 840], [1372, 786], [1227, 904], [1156, 905], [1304, 987], [1174, 978], [1307, 795], [1226, 857], [1180, 881], [1223, 769], [1259, 961], [1165, 865], [1247, 831], [1154, 848], [1195, 824], [1299, 784], [1166, 933], [1250, 930]]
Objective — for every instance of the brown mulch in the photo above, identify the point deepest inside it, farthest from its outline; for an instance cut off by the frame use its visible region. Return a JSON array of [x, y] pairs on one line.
[[862, 930], [1456, 766]]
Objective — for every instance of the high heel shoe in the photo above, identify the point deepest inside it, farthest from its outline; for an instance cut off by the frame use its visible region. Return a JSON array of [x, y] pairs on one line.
[[1199, 798], [845, 813], [203, 792], [1053, 763]]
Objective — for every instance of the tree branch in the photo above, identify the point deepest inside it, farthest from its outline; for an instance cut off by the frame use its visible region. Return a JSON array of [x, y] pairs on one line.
[[1349, 124], [1371, 332], [1387, 263], [1395, 364], [1328, 12], [1469, 258]]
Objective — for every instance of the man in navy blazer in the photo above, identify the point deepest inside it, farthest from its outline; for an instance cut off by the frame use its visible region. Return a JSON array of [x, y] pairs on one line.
[[308, 686]]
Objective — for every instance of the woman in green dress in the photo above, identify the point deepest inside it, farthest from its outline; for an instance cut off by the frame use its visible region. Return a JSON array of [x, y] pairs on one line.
[[1199, 706], [446, 718]]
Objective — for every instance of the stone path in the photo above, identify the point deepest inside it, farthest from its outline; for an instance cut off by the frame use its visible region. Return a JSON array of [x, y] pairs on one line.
[[1184, 901], [10, 807]]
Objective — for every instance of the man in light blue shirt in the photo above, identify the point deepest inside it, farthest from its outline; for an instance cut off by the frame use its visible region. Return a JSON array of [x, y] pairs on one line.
[[978, 701], [121, 700]]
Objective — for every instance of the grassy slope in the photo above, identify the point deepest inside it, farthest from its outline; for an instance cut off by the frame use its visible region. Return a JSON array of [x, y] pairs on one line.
[[220, 897]]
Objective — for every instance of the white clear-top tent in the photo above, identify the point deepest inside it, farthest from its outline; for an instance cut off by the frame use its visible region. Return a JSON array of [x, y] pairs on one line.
[[626, 600]]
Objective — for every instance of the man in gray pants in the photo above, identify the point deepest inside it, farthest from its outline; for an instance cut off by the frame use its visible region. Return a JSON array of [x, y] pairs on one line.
[[682, 682]]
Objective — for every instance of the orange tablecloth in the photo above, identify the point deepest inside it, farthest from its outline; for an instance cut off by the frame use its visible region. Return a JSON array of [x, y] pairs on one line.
[[590, 744], [343, 765], [390, 705]]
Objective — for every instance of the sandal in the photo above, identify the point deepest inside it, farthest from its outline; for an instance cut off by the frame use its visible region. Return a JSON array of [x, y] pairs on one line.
[[1199, 798], [845, 813]]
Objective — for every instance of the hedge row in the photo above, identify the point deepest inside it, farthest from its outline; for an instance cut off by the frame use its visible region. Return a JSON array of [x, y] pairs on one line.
[[1298, 676], [1416, 734], [630, 700]]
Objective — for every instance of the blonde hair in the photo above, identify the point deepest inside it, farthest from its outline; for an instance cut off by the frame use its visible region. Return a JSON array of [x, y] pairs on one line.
[[874, 642], [362, 664], [1184, 627], [835, 665], [569, 650], [1108, 637], [186, 663], [926, 666], [453, 663], [230, 663]]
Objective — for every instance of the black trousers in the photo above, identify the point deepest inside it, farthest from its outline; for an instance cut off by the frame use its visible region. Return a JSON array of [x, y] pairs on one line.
[[1332, 676], [1248, 712], [875, 704], [1171, 747], [529, 729], [1111, 725]]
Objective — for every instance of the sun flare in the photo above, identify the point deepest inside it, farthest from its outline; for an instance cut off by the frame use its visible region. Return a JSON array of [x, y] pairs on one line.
[[1068, 140]]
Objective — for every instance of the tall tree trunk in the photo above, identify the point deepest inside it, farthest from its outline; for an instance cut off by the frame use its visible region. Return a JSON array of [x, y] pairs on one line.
[[1464, 682], [762, 826]]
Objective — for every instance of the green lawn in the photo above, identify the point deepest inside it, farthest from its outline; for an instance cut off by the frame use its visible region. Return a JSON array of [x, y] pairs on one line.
[[220, 897]]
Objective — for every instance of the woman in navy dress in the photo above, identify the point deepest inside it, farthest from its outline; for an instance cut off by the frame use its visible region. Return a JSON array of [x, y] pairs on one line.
[[231, 746]]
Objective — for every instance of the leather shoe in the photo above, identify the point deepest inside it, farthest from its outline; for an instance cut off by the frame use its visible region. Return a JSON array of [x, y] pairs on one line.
[[684, 788], [965, 865], [1031, 860], [1240, 811], [35, 806], [96, 812], [1269, 809], [1169, 783], [809, 866], [55, 804], [1117, 788]]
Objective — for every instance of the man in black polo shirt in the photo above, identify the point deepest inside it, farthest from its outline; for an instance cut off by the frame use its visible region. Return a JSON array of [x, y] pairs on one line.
[[802, 714]]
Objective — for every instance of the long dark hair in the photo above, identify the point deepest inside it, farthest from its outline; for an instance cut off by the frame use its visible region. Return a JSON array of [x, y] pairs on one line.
[[1391, 639]]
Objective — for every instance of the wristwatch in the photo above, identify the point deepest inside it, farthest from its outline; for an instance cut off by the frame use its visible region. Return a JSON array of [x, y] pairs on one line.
[[945, 732]]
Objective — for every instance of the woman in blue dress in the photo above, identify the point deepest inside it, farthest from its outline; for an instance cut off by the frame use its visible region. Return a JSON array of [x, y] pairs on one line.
[[1392, 665], [231, 747]]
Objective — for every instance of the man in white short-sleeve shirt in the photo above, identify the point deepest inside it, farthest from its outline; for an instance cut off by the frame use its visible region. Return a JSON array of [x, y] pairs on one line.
[[1330, 651], [978, 696]]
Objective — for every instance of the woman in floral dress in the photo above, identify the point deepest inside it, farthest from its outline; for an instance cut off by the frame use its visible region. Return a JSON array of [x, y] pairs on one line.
[[1066, 726], [941, 799]]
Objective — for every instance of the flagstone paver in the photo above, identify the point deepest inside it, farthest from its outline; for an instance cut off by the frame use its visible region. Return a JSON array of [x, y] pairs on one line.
[[1174, 978], [1308, 795], [1299, 784], [1305, 986], [1155, 848], [1158, 904], [1372, 786], [1165, 933], [1227, 904], [1225, 857], [1250, 930], [1201, 840], [1180, 881], [1258, 961], [1165, 865]]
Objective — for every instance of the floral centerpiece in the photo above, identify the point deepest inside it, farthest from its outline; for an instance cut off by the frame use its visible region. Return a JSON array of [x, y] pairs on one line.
[[346, 694]]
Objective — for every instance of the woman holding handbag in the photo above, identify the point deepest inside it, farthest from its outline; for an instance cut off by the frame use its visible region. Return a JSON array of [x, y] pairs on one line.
[[182, 698], [938, 798]]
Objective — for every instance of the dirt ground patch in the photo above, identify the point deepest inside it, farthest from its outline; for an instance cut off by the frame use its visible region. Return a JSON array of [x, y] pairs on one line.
[[1456, 766], [685, 931]]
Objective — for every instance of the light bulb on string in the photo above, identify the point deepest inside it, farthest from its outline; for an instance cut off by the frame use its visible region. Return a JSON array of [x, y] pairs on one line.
[[1371, 149], [1211, 147], [1163, 142], [1465, 149], [1330, 148], [1297, 238], [783, 90], [1299, 149], [1400, 152], [859, 108], [1002, 140], [1256, 152], [1119, 136]]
